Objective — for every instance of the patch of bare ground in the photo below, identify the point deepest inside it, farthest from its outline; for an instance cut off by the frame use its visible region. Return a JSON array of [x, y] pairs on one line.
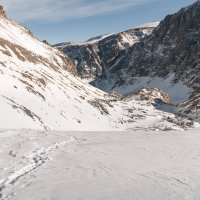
[[38, 80], [116, 96], [2, 64], [191, 107], [31, 89], [26, 111], [26, 55], [82, 97], [193, 102], [151, 94], [69, 64], [181, 122], [101, 105]]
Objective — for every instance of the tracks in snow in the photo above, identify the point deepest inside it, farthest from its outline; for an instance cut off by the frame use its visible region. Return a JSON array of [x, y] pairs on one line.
[[32, 161]]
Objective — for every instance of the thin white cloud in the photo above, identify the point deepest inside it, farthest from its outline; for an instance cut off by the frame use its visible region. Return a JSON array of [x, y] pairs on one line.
[[56, 10]]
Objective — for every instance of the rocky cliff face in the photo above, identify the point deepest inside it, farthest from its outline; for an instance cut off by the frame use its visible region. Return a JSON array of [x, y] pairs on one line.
[[166, 57], [173, 49], [191, 107], [153, 94], [101, 55]]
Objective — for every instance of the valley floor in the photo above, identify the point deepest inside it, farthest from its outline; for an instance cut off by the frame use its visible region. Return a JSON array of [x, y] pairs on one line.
[[140, 165]]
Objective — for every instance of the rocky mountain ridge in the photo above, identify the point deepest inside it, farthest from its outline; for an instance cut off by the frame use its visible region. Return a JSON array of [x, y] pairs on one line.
[[101, 54], [172, 51], [172, 48], [166, 57]]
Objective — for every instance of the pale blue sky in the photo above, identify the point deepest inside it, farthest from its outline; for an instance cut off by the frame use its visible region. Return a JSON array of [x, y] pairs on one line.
[[78, 20]]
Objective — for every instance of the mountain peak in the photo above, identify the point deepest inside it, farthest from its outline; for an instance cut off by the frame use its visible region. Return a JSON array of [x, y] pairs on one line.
[[191, 7]]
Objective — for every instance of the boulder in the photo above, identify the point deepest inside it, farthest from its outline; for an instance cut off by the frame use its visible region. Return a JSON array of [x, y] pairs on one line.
[[2, 11]]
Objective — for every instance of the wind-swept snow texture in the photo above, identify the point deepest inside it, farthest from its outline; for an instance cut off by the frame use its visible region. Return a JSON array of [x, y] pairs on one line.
[[137, 165]]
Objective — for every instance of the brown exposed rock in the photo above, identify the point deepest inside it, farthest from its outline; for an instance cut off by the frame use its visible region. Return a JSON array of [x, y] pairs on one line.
[[191, 107], [26, 111], [100, 106], [46, 42], [25, 55], [2, 11], [30, 32], [152, 94]]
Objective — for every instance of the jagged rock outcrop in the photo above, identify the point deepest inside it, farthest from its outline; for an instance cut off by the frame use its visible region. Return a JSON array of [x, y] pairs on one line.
[[171, 51], [100, 56], [153, 94], [2, 11], [191, 107], [46, 42], [174, 47]]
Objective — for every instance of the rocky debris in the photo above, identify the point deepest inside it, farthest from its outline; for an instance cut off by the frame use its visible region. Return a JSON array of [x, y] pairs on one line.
[[152, 94], [30, 32], [26, 55], [191, 107], [116, 95], [181, 122], [46, 42], [100, 106], [2, 11], [101, 55]]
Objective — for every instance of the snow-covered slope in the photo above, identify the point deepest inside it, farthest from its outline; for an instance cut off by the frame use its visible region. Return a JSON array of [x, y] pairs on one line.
[[98, 56], [37, 165], [39, 89]]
